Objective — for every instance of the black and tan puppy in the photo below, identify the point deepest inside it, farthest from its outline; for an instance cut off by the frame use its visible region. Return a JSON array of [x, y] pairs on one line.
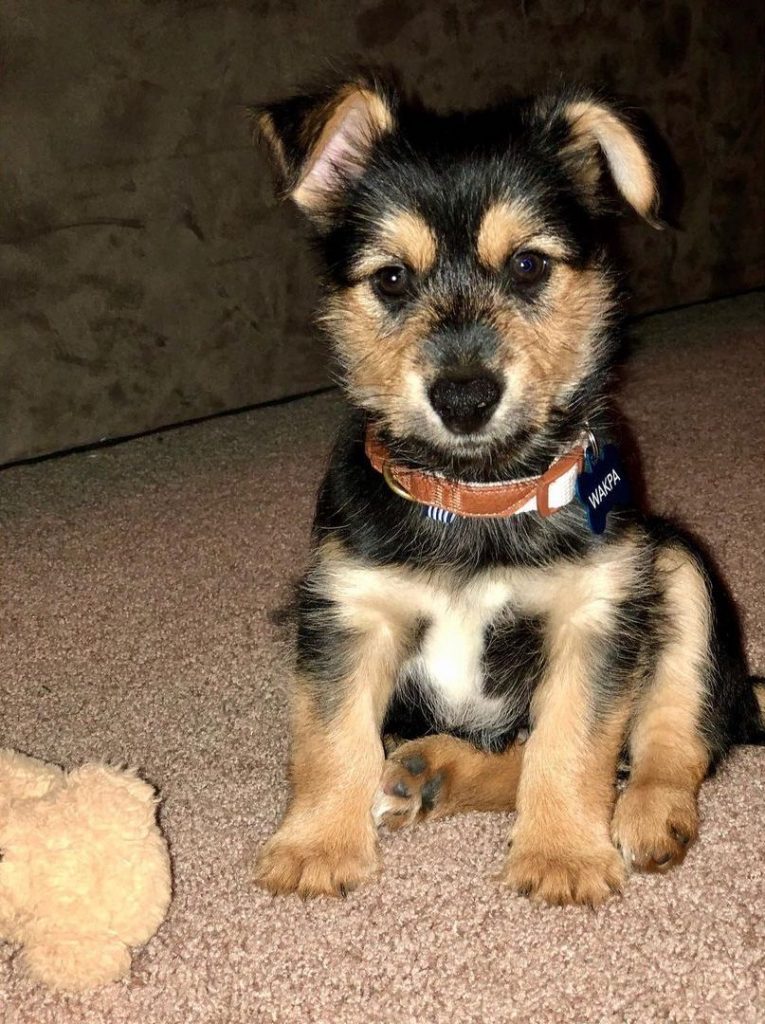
[[458, 596]]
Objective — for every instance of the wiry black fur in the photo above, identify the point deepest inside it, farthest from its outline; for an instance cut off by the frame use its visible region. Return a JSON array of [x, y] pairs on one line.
[[356, 506], [449, 168]]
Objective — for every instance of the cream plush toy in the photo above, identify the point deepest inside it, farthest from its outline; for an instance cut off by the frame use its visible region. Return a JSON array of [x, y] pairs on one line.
[[84, 869]]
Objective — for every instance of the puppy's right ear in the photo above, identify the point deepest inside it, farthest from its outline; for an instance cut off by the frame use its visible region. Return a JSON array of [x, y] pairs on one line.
[[321, 143]]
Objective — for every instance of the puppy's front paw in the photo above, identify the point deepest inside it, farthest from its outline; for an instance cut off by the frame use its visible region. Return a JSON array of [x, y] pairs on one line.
[[315, 862], [654, 824], [582, 876]]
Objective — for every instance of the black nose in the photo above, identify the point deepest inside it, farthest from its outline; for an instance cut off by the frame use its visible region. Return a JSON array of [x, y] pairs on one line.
[[465, 405]]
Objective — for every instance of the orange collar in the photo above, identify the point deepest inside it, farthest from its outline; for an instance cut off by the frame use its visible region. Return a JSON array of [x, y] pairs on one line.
[[544, 494]]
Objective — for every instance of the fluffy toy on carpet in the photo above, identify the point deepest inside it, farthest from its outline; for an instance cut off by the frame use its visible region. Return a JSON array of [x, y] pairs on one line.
[[84, 869]]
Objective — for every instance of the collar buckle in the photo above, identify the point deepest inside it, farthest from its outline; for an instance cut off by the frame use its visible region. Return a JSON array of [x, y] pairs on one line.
[[394, 485]]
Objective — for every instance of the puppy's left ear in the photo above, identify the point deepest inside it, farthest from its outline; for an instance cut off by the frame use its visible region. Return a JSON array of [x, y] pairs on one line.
[[591, 132], [320, 143]]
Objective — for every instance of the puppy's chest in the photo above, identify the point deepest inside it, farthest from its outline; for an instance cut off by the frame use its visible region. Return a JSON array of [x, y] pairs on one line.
[[478, 658]]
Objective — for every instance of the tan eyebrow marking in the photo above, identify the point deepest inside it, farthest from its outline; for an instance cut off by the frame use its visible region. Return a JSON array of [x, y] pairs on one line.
[[507, 226], [403, 235], [409, 234], [503, 226]]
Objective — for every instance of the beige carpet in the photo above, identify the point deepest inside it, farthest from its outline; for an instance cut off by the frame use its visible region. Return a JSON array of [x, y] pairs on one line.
[[136, 588]]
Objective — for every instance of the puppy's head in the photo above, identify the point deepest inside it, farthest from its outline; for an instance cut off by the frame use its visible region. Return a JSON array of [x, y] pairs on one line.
[[468, 290]]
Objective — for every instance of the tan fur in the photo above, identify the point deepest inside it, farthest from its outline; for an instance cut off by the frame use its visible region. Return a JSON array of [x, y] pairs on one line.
[[566, 791], [561, 847], [504, 227], [600, 761], [327, 841], [319, 130], [265, 126], [567, 788], [381, 363], [561, 851], [656, 817], [547, 352], [543, 353], [578, 595], [468, 780], [402, 237], [549, 341], [594, 125], [507, 227]]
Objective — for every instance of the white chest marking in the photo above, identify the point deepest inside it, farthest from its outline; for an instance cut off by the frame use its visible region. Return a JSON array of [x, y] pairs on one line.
[[451, 656], [450, 660]]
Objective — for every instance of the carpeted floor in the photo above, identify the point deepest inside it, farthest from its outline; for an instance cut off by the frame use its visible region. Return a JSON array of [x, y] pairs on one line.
[[136, 591]]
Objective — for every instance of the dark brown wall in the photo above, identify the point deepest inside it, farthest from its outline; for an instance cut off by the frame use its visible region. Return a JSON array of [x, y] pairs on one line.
[[146, 274]]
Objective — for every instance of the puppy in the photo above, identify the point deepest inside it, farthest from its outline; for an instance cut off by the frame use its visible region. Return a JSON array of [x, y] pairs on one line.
[[460, 595]]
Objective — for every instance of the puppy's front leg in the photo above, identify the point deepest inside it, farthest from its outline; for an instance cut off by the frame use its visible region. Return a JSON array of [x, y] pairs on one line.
[[560, 847], [561, 850], [327, 842]]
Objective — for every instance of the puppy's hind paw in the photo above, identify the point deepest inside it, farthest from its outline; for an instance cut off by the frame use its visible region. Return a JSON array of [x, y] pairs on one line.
[[654, 825], [411, 787]]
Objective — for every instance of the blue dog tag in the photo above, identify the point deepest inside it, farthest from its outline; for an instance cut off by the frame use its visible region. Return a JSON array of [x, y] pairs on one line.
[[602, 485]]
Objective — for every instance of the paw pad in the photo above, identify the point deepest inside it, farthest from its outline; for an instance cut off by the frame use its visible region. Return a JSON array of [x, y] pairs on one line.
[[410, 789]]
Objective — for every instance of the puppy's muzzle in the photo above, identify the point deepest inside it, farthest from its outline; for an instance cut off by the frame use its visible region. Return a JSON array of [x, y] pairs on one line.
[[465, 403]]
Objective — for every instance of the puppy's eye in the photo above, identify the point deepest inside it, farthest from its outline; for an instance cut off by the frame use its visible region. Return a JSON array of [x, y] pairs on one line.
[[528, 267], [392, 282]]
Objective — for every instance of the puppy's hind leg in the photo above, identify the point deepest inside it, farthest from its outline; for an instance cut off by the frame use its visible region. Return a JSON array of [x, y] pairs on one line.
[[656, 817], [437, 776]]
